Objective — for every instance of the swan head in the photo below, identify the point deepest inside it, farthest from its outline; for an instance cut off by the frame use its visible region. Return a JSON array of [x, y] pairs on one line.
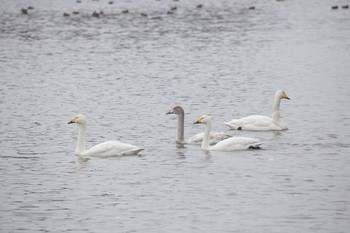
[[203, 120], [79, 119], [281, 95], [178, 110]]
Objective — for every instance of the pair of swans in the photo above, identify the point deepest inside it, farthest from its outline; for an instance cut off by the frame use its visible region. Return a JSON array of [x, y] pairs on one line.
[[214, 137]]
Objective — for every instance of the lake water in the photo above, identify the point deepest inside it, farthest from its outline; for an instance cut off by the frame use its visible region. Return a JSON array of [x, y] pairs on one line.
[[125, 71]]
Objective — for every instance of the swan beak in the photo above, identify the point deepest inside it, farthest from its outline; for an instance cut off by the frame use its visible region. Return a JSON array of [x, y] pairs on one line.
[[72, 121], [198, 121], [286, 97], [170, 112]]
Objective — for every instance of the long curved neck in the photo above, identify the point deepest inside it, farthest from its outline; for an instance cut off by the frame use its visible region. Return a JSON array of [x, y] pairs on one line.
[[81, 139], [205, 142], [180, 128], [276, 117], [276, 104]]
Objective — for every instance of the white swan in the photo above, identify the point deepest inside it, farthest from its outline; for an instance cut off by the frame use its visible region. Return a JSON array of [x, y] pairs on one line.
[[262, 123], [229, 144], [105, 149], [196, 139]]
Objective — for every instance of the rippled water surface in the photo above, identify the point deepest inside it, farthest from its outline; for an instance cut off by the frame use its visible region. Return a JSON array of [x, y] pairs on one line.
[[125, 71]]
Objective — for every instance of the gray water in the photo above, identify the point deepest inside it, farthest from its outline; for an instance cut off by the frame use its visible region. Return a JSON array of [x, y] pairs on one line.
[[125, 71]]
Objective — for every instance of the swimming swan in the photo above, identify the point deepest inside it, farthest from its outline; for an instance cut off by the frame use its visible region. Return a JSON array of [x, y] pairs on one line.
[[196, 139], [229, 144], [105, 149], [262, 123]]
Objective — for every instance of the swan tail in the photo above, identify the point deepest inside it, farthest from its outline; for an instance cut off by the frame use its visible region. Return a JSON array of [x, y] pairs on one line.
[[233, 126], [255, 146], [132, 151]]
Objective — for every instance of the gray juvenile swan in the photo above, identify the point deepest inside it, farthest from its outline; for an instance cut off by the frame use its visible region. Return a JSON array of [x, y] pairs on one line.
[[105, 149], [196, 139], [262, 123], [229, 144]]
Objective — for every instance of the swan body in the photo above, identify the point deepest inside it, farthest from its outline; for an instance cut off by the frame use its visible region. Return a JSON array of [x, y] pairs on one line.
[[105, 149], [229, 144], [262, 123], [215, 137]]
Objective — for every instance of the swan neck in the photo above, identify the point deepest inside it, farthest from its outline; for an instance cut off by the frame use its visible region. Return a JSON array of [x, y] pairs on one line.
[[276, 116], [180, 128], [81, 139], [276, 104], [205, 142]]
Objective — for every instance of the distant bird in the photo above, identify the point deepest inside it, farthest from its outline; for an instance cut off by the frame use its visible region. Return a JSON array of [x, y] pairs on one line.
[[30, 8], [252, 8], [334, 7], [75, 13], [174, 8], [199, 6], [101, 12], [66, 14], [24, 11], [125, 11], [156, 18], [95, 14], [78, 1], [110, 3], [345, 7], [170, 12], [144, 15]]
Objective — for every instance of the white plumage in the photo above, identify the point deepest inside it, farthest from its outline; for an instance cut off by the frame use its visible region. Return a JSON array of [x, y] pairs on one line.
[[229, 144], [105, 149], [262, 123]]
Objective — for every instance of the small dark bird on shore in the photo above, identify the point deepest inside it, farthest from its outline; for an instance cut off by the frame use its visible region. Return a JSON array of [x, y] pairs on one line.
[[144, 15], [125, 11], [66, 14], [75, 13], [345, 7], [30, 8], [334, 7], [110, 2], [78, 1], [251, 8], [199, 6]]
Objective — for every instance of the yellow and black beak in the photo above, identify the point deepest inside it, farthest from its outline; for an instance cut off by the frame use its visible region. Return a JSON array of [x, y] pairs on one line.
[[198, 121], [286, 97], [72, 121]]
